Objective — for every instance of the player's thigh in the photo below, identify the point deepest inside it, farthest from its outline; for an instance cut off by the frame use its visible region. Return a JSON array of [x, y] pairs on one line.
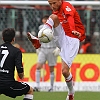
[[42, 57], [52, 60], [17, 89], [69, 50]]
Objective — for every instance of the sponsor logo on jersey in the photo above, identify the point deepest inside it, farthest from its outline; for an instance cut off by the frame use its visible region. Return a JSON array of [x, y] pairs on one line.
[[4, 71]]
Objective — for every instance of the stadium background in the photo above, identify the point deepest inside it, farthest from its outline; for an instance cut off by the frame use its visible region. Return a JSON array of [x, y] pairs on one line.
[[86, 67]]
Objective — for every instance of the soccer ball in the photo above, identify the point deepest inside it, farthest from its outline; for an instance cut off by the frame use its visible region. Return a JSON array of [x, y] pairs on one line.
[[45, 35]]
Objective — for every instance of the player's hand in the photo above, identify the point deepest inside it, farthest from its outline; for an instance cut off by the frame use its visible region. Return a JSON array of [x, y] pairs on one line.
[[78, 34], [37, 51], [56, 51], [34, 40]]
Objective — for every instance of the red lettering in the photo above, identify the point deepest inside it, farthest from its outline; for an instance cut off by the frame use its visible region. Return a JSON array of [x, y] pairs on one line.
[[47, 75], [33, 70], [58, 72], [22, 80], [89, 66], [74, 68]]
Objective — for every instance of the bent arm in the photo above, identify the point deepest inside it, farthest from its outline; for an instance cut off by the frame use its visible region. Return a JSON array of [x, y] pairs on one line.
[[21, 75], [71, 22], [72, 26]]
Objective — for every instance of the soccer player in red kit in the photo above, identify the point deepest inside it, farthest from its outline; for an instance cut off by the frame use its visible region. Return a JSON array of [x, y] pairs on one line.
[[68, 32]]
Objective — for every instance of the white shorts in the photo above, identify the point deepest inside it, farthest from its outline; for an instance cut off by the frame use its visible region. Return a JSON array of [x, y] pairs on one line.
[[69, 46], [46, 54]]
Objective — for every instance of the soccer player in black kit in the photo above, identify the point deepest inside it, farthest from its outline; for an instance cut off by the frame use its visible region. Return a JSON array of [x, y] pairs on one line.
[[11, 57]]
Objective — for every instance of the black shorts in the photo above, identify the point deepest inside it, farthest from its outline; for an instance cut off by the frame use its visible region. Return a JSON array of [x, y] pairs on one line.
[[15, 89]]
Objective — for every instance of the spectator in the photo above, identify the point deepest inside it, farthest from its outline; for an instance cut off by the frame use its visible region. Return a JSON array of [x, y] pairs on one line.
[[86, 46]]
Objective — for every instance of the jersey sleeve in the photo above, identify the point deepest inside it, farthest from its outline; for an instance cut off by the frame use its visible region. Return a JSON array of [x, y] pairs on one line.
[[69, 14], [18, 62]]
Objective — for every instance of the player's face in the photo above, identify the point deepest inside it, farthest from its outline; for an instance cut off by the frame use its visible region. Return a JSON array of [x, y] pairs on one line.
[[55, 4], [44, 21]]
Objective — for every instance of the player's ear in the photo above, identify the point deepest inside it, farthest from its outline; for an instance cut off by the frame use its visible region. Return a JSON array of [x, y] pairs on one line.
[[2, 38], [13, 39]]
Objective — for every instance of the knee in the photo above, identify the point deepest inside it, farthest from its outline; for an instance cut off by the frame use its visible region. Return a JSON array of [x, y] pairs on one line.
[[55, 19], [30, 91], [51, 69], [29, 95], [39, 66], [65, 72]]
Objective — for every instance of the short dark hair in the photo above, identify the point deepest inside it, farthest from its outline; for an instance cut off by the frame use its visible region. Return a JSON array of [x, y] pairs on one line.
[[45, 17], [8, 34]]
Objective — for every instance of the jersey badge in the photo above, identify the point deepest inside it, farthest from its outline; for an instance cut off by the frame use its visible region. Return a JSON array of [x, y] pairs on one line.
[[68, 9], [3, 47]]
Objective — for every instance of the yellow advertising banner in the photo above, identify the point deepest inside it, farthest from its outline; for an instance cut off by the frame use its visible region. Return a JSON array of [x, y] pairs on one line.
[[85, 67]]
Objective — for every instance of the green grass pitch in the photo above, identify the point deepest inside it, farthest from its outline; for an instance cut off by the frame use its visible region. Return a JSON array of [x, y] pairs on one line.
[[58, 96]]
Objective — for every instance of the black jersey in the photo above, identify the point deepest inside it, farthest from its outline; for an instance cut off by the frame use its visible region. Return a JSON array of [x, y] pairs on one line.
[[10, 57]]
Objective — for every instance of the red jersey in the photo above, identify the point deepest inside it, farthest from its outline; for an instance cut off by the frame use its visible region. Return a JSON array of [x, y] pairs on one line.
[[70, 20]]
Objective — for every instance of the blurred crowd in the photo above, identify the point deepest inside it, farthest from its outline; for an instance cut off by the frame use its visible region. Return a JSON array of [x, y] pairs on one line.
[[26, 21]]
